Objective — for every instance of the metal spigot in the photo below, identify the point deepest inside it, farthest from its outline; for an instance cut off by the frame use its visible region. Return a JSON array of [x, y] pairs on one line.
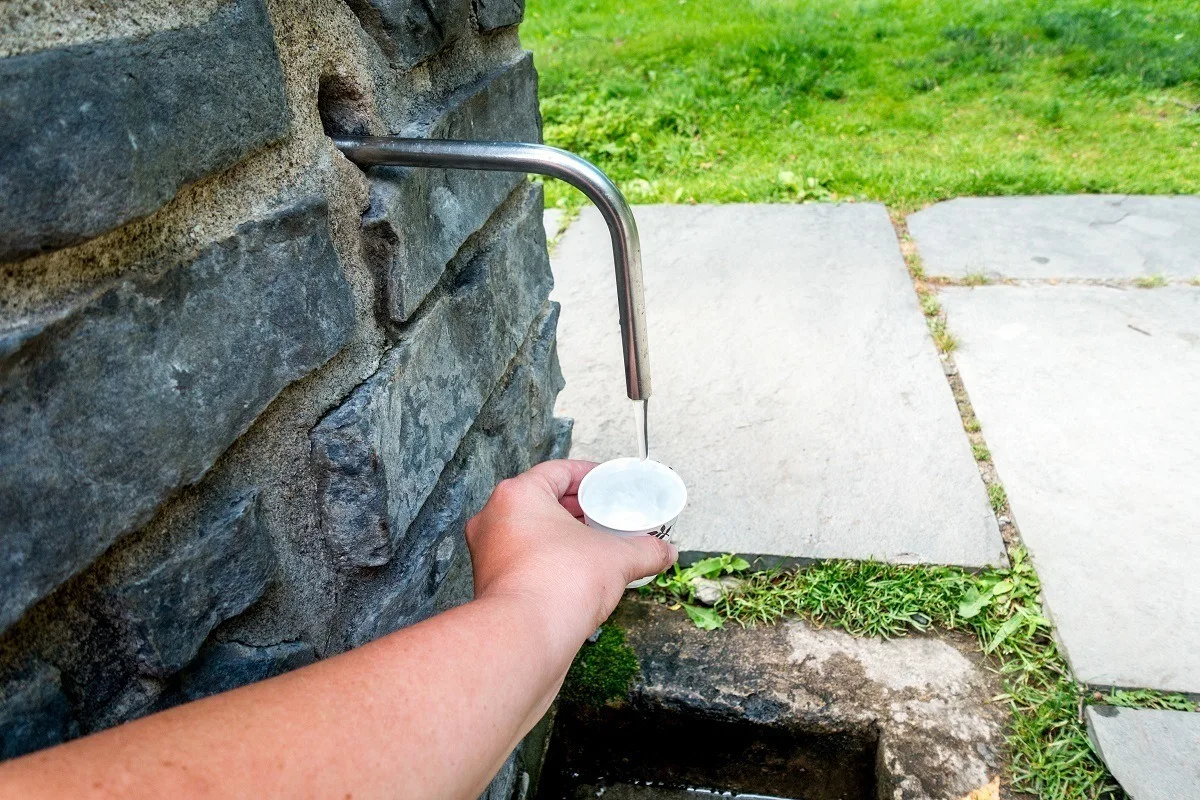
[[542, 160]]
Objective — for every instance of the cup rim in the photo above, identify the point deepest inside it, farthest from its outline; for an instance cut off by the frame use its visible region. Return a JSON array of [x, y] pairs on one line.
[[611, 466]]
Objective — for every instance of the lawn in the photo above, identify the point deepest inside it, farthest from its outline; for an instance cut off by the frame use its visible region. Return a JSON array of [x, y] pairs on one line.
[[902, 101], [905, 102]]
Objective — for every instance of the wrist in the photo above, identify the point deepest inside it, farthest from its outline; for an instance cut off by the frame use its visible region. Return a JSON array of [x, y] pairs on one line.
[[562, 616]]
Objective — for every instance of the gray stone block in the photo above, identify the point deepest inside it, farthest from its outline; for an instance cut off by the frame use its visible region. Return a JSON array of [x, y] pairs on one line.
[[99, 134], [524, 398], [227, 665], [419, 218], [169, 607], [504, 784], [353, 483], [492, 14], [514, 430], [1087, 398], [411, 31], [92, 656], [137, 698], [563, 426], [796, 388], [34, 712], [1154, 755], [109, 408], [399, 429], [458, 585], [1086, 236]]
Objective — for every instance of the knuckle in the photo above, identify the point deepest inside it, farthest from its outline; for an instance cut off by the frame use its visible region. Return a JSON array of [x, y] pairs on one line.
[[506, 492]]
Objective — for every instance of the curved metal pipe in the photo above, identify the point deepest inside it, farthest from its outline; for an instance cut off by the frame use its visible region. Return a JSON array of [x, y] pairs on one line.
[[542, 160]]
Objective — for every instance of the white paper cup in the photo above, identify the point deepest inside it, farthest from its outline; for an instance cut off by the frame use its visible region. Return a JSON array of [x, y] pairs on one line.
[[632, 497]]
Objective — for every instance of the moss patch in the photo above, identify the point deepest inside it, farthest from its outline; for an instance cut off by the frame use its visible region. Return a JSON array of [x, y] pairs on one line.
[[603, 670]]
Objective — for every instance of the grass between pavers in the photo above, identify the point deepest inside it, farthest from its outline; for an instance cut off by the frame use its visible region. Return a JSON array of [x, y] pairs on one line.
[[1150, 281], [901, 101], [1051, 755]]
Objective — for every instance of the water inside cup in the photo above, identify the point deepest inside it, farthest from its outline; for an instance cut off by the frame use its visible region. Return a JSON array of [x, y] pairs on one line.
[[630, 494]]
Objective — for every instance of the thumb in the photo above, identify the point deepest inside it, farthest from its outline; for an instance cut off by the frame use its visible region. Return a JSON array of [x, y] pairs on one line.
[[648, 555]]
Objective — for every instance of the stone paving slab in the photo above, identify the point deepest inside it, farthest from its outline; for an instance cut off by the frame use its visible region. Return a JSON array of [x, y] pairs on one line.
[[552, 220], [1154, 755], [1084, 236], [795, 386], [1088, 400]]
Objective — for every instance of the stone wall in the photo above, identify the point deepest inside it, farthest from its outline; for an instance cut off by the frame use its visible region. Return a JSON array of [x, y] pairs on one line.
[[250, 394]]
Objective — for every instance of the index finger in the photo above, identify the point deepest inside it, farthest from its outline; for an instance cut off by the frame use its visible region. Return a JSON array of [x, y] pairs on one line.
[[560, 478]]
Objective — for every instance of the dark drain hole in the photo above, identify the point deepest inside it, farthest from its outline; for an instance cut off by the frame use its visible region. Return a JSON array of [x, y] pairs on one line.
[[625, 753]]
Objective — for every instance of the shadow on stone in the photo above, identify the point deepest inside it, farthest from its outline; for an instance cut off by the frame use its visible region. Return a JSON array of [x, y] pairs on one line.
[[343, 107]]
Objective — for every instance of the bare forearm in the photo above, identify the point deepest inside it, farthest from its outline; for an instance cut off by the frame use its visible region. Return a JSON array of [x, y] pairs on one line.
[[430, 711]]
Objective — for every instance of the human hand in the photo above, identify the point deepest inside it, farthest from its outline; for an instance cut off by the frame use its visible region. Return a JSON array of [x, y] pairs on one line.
[[530, 540]]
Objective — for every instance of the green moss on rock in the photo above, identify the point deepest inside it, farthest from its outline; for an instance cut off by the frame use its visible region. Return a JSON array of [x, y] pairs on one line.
[[602, 671]]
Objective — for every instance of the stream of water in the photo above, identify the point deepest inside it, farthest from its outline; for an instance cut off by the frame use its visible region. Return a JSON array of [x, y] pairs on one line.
[[641, 419]]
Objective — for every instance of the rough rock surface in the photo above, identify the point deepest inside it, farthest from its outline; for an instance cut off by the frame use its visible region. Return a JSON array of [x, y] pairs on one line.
[[389, 442], [119, 401], [34, 712], [410, 32], [419, 218], [170, 607], [514, 430], [196, 289], [709, 591], [227, 665], [98, 134], [498, 13]]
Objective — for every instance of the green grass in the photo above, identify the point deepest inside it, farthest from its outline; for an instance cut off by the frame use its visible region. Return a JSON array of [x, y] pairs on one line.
[[981, 452], [1150, 281], [976, 279], [997, 497], [916, 268], [903, 101], [943, 338], [930, 305], [1051, 756]]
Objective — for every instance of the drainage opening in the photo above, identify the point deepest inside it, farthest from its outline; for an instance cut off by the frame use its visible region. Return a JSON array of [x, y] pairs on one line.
[[627, 753]]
